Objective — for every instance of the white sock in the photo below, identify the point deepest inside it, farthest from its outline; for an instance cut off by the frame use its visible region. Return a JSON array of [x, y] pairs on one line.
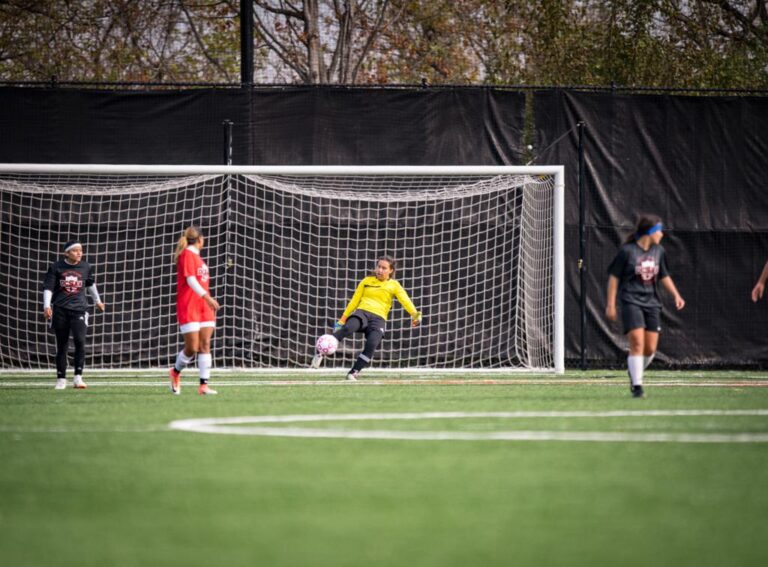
[[182, 360], [635, 365], [204, 363], [647, 360], [78, 378]]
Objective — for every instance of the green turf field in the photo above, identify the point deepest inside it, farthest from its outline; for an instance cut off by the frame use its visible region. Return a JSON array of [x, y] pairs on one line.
[[98, 477]]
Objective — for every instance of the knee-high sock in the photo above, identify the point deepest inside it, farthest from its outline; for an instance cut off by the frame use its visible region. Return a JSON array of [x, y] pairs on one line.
[[635, 365], [647, 360], [182, 360], [372, 341], [204, 363]]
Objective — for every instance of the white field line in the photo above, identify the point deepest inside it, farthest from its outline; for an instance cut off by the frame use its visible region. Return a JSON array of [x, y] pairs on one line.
[[133, 383], [69, 429], [234, 426], [239, 426]]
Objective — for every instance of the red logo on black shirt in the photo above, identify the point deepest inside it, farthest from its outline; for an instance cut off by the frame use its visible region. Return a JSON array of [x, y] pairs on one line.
[[646, 269], [71, 282]]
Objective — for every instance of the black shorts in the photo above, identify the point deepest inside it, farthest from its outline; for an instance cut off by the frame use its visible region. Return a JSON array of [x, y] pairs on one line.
[[637, 317], [370, 321]]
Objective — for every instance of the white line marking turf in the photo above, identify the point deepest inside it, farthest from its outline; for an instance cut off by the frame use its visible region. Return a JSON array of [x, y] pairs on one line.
[[234, 426], [405, 382]]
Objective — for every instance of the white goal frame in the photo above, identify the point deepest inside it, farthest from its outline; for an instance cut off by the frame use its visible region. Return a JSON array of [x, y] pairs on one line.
[[555, 171]]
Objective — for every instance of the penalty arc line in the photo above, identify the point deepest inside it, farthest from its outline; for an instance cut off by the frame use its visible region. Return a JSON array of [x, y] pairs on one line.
[[234, 426]]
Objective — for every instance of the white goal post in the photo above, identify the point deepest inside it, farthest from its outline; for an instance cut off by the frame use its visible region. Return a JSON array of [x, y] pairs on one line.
[[480, 250]]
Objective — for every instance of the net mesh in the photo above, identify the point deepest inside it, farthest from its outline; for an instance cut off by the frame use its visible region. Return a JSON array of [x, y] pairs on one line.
[[475, 254]]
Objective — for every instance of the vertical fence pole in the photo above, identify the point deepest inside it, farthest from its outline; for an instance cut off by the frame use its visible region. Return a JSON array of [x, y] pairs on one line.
[[227, 142], [582, 249], [246, 43]]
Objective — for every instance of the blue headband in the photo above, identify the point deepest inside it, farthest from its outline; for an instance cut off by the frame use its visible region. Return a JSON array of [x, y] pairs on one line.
[[655, 228]]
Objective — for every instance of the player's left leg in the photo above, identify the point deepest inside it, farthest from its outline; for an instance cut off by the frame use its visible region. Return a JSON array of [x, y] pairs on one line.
[[79, 326], [633, 320], [652, 331], [60, 324], [191, 334], [205, 359], [374, 334], [636, 339], [650, 342]]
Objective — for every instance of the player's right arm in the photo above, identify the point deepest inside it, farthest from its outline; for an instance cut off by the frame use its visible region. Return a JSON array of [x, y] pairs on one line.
[[610, 300], [49, 285], [189, 272], [614, 273], [353, 303]]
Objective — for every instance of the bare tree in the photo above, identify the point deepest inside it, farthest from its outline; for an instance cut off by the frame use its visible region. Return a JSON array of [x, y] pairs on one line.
[[322, 41], [117, 40], [671, 43]]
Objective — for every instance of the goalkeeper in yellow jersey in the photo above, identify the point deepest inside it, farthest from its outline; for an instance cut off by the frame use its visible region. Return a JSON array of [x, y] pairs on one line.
[[368, 310]]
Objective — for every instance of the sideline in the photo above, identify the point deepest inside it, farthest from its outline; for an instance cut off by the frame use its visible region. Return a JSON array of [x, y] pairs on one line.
[[155, 383]]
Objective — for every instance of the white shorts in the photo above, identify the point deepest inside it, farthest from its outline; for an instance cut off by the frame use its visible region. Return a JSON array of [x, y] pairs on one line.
[[194, 327]]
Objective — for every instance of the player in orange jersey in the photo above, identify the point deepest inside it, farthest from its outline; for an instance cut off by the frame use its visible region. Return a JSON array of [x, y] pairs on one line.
[[195, 310]]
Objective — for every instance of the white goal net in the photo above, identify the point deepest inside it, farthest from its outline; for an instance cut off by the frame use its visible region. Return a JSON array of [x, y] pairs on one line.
[[479, 251]]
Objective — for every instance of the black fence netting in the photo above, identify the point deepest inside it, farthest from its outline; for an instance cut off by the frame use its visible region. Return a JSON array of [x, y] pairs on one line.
[[697, 161]]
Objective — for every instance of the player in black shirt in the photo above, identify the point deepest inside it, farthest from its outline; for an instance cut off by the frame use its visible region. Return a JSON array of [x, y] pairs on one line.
[[634, 275], [66, 308]]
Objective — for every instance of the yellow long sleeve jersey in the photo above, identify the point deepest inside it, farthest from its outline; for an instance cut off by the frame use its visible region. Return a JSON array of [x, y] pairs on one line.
[[376, 297]]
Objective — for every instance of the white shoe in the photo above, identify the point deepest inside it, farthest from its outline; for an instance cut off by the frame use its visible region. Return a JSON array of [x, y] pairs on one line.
[[352, 376], [317, 360], [61, 383], [79, 384]]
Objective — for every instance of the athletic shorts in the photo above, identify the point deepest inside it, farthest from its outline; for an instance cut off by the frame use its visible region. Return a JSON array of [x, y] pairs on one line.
[[196, 316], [637, 317], [370, 321]]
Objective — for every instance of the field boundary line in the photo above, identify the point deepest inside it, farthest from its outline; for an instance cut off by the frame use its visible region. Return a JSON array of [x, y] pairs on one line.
[[153, 382]]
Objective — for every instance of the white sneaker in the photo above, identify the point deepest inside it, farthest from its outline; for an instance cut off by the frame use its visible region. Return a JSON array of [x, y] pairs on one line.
[[352, 376], [317, 360], [79, 384], [61, 383]]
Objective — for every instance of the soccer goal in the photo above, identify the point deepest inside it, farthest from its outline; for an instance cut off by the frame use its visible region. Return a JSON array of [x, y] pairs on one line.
[[479, 250]]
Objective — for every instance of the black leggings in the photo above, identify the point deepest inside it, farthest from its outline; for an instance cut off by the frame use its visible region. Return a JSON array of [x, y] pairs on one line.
[[65, 322], [373, 327]]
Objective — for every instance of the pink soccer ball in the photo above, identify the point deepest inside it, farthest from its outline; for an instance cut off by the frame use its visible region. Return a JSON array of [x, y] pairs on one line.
[[327, 344]]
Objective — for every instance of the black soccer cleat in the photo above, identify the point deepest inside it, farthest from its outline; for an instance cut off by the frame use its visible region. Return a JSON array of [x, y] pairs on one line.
[[637, 391]]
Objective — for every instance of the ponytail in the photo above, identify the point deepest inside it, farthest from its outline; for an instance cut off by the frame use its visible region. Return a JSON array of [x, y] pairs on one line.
[[190, 236]]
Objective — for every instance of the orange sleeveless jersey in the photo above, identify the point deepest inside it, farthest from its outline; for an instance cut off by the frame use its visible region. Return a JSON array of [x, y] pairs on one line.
[[190, 307]]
